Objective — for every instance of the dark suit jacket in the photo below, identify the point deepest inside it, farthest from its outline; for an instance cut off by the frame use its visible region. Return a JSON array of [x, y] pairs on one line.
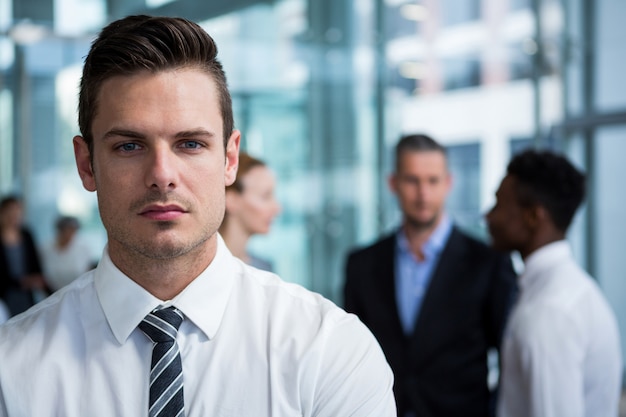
[[440, 370], [32, 265]]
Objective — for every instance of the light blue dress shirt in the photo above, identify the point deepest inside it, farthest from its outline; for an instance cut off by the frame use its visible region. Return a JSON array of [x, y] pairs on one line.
[[413, 276]]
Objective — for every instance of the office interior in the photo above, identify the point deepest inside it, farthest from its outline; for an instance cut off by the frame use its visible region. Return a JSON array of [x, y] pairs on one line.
[[322, 89]]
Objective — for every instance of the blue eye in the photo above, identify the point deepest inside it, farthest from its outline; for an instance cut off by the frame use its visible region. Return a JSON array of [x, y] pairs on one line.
[[128, 147], [191, 144]]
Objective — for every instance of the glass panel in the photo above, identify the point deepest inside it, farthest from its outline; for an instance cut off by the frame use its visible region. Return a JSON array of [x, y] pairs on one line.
[[459, 11], [519, 4], [461, 72], [521, 65], [266, 139], [609, 224], [519, 144], [401, 19], [574, 49], [611, 55], [464, 199]]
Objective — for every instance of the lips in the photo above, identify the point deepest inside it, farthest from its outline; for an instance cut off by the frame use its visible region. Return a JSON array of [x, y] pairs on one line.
[[162, 212]]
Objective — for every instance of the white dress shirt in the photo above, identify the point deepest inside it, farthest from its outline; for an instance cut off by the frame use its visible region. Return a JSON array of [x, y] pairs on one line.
[[561, 349], [251, 345]]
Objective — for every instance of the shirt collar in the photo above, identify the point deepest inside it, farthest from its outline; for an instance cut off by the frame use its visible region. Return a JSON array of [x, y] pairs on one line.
[[543, 258], [203, 301], [435, 243]]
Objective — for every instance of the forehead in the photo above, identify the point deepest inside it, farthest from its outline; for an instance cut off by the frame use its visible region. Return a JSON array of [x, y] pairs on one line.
[[422, 161], [169, 98], [507, 189], [173, 77]]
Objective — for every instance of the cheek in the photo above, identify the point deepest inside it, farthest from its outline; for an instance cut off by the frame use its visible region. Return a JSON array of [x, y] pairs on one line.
[[260, 208], [498, 221]]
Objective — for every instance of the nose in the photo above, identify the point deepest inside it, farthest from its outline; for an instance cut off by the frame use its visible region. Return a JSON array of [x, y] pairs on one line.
[[161, 170], [422, 189]]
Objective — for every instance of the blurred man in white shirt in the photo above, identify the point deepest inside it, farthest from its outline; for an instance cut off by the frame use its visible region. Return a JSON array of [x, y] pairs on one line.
[[561, 348]]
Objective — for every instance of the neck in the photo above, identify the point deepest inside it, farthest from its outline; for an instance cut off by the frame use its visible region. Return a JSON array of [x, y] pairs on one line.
[[164, 278], [540, 242], [236, 239], [417, 236]]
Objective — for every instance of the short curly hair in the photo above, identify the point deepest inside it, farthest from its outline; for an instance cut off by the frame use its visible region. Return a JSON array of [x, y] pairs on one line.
[[550, 180]]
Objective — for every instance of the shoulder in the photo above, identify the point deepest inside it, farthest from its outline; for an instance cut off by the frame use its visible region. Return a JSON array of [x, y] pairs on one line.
[[278, 293], [40, 324], [293, 310], [382, 245], [311, 334], [28, 237], [472, 245], [458, 236]]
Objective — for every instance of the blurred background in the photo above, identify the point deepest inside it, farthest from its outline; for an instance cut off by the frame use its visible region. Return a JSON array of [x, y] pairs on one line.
[[322, 89]]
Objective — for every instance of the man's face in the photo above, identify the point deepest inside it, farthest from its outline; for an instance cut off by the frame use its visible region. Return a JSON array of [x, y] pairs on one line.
[[507, 219], [159, 165], [421, 183]]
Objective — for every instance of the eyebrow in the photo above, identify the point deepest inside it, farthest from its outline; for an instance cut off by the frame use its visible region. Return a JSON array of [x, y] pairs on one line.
[[117, 132]]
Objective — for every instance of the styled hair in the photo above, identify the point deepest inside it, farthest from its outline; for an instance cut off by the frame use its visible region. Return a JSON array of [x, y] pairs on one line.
[[417, 143], [550, 180], [154, 44], [246, 163]]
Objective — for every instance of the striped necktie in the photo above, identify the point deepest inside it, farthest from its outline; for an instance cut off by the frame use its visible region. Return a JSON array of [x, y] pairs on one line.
[[166, 371]]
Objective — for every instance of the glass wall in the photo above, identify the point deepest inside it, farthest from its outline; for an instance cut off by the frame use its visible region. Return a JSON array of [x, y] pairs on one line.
[[322, 90]]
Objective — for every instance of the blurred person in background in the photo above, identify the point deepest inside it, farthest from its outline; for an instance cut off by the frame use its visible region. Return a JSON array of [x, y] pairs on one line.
[[436, 299], [66, 257], [561, 353], [21, 280], [251, 207]]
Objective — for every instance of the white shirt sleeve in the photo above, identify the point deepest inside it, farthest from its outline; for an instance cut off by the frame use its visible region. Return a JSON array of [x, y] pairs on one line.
[[353, 378]]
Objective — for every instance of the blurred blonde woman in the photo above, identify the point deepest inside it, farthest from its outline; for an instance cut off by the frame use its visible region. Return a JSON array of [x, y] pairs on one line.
[[250, 208]]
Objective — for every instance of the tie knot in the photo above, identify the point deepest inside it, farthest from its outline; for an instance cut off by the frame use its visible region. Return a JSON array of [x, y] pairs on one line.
[[162, 325]]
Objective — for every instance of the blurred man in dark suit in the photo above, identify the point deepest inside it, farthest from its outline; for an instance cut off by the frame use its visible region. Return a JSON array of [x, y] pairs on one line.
[[435, 298]]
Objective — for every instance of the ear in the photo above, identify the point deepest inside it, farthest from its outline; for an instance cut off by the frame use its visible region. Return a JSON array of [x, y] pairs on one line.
[[83, 163], [232, 157], [535, 216]]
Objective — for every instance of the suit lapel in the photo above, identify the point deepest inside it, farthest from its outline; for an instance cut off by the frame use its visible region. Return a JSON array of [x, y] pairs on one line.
[[437, 297], [387, 270]]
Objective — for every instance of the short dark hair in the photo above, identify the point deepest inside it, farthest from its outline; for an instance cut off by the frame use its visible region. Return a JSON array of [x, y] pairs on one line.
[[417, 143], [550, 180], [146, 43]]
